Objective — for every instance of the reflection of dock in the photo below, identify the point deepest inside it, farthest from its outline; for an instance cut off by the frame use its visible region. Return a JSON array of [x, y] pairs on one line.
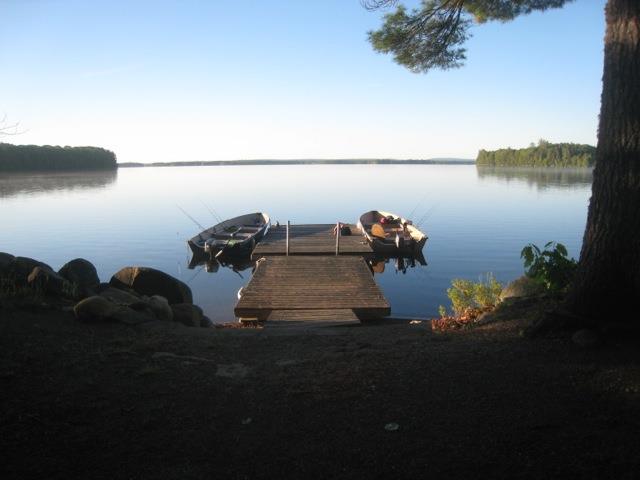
[[311, 240], [313, 287]]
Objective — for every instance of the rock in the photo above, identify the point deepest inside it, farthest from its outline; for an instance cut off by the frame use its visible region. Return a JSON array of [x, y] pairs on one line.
[[95, 309], [20, 268], [48, 281], [206, 322], [485, 318], [102, 286], [187, 314], [6, 259], [586, 338], [149, 281], [156, 306], [160, 307], [120, 297], [131, 316], [521, 287], [82, 273], [100, 309]]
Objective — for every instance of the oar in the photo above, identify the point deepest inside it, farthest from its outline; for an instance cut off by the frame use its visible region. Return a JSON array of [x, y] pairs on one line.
[[222, 250]]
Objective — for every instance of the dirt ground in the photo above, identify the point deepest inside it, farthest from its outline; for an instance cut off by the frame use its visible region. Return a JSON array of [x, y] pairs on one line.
[[384, 401]]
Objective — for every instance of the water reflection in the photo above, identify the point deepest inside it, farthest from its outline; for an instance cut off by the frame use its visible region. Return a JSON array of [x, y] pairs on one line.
[[212, 265], [379, 264], [14, 184], [541, 178]]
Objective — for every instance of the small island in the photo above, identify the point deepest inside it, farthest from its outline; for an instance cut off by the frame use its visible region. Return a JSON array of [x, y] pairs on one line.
[[545, 154], [26, 158]]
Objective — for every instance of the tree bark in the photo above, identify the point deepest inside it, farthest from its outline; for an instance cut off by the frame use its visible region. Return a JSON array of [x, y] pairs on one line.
[[608, 277]]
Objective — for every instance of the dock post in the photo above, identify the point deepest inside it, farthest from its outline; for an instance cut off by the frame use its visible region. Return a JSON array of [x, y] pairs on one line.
[[338, 238], [287, 244]]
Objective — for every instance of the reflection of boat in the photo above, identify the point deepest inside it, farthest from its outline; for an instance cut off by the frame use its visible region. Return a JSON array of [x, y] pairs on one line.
[[212, 265], [401, 262], [389, 233], [236, 236]]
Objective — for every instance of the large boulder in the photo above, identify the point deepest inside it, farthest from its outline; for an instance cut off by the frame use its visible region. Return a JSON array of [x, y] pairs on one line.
[[149, 281], [521, 287], [156, 306], [95, 309], [20, 268], [131, 316], [120, 297], [48, 281], [6, 259], [82, 273], [206, 322], [160, 307], [187, 314]]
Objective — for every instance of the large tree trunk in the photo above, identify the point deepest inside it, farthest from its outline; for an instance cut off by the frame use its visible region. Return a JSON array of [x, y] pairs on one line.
[[608, 278]]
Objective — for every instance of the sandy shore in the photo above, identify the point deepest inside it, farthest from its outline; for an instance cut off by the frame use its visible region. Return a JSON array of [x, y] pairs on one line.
[[395, 401]]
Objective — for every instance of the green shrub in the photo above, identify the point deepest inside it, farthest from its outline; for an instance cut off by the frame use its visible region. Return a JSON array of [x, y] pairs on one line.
[[465, 294], [550, 267]]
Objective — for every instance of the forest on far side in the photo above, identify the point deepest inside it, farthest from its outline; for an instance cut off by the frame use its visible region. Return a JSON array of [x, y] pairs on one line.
[[545, 154], [21, 158]]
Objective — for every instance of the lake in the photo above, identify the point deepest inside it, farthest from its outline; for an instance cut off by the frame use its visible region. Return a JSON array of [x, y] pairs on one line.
[[477, 219]]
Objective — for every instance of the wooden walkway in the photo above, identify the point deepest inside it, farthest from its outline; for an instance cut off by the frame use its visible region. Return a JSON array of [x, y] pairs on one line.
[[311, 240], [311, 283]]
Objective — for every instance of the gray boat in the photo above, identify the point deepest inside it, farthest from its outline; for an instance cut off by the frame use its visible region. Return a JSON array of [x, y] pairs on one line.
[[235, 237]]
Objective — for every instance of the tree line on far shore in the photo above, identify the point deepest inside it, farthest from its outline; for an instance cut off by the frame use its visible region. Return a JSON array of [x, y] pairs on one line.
[[545, 154], [19, 158]]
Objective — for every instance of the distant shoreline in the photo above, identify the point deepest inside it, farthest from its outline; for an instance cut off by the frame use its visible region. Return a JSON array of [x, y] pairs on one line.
[[433, 161]]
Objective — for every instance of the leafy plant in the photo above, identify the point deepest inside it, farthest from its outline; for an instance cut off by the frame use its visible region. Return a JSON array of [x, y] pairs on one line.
[[466, 294], [550, 267]]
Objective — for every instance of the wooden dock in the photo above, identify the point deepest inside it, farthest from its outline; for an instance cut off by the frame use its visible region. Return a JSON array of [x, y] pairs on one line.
[[315, 239], [312, 286]]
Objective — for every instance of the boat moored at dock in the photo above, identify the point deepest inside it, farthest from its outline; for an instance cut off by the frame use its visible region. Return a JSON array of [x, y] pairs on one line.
[[236, 236], [390, 234]]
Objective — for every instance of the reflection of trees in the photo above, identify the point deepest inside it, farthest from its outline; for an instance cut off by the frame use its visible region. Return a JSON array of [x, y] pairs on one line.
[[541, 178], [12, 184]]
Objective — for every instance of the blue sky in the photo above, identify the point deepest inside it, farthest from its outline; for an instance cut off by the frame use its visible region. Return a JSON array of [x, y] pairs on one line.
[[220, 80]]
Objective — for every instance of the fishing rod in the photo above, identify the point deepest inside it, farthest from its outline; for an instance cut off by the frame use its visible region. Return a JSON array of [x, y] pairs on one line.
[[188, 282], [213, 213], [190, 217], [427, 215], [424, 197]]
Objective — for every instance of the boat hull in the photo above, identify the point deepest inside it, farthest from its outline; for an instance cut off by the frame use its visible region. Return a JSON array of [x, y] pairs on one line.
[[237, 243], [402, 238]]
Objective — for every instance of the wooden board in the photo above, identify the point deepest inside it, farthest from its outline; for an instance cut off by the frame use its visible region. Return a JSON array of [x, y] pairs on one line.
[[312, 318], [316, 239], [312, 283]]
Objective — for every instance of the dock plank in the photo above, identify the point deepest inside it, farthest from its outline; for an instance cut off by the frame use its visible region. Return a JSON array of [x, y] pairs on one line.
[[312, 239], [311, 319], [330, 282]]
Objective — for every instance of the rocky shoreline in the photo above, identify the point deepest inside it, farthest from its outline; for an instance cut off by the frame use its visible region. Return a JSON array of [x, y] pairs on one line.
[[134, 294]]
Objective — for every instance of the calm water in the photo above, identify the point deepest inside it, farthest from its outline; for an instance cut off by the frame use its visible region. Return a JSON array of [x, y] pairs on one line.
[[477, 220]]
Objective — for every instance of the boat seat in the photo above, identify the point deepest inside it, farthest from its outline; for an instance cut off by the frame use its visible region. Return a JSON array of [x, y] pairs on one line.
[[248, 229]]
